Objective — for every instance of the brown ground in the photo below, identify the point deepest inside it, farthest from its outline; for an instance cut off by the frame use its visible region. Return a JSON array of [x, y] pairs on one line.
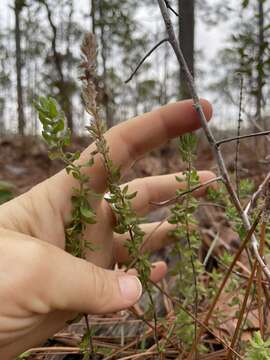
[[24, 161]]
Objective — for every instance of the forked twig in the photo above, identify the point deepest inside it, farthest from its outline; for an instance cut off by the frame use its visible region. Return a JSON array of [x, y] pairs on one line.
[[256, 195]]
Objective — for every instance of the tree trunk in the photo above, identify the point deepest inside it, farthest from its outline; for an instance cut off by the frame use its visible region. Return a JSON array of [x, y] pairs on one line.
[[106, 97], [20, 106], [186, 39], [93, 16], [260, 64], [64, 96], [260, 70]]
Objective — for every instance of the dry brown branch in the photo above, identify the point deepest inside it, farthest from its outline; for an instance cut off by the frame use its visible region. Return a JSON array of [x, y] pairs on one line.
[[242, 311], [248, 136], [260, 280]]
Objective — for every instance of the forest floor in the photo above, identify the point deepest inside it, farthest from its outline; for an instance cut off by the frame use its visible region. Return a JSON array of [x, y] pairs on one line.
[[24, 163]]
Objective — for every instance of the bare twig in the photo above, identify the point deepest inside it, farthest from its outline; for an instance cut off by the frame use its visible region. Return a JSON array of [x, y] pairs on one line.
[[55, 350], [259, 280], [91, 346], [211, 249], [256, 195], [242, 311], [173, 200], [237, 138], [171, 8], [145, 57], [265, 218]]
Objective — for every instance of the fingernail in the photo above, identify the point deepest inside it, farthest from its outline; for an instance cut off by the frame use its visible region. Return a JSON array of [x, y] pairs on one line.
[[130, 287]]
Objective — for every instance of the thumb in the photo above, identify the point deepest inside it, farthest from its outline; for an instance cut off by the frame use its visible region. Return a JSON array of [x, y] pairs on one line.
[[77, 285]]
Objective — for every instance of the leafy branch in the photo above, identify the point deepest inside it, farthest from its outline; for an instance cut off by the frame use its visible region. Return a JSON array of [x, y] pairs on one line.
[[57, 139]]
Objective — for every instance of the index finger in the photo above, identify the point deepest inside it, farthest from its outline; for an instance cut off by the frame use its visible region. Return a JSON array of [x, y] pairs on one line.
[[129, 141]]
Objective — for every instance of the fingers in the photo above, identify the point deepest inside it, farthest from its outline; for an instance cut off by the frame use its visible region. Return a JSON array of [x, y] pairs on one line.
[[55, 280], [76, 285], [151, 190], [157, 236], [130, 140], [156, 189], [158, 271]]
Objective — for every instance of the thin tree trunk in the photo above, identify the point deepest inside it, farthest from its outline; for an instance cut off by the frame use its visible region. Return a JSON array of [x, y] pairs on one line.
[[186, 38], [93, 15], [260, 60], [69, 106], [20, 105], [108, 112], [260, 69], [64, 99]]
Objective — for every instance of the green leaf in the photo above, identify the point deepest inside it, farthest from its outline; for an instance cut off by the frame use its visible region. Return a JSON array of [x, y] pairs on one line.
[[59, 126], [24, 356], [245, 3], [125, 189], [6, 191], [131, 196], [53, 155], [88, 215], [52, 107]]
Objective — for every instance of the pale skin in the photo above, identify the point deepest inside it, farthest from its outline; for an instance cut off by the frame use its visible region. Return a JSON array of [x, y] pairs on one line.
[[41, 285]]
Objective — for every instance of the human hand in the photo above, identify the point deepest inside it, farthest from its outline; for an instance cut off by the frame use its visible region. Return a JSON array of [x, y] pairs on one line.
[[42, 286]]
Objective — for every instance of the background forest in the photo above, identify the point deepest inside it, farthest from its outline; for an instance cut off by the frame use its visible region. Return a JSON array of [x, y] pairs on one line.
[[40, 52]]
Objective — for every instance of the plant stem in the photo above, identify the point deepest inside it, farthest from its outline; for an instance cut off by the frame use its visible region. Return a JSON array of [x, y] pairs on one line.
[[242, 311]]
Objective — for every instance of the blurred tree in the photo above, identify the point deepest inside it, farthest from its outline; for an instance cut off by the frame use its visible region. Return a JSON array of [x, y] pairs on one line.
[[263, 45], [186, 11], [111, 23], [122, 43], [48, 54], [247, 52], [18, 7], [4, 79], [60, 79]]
